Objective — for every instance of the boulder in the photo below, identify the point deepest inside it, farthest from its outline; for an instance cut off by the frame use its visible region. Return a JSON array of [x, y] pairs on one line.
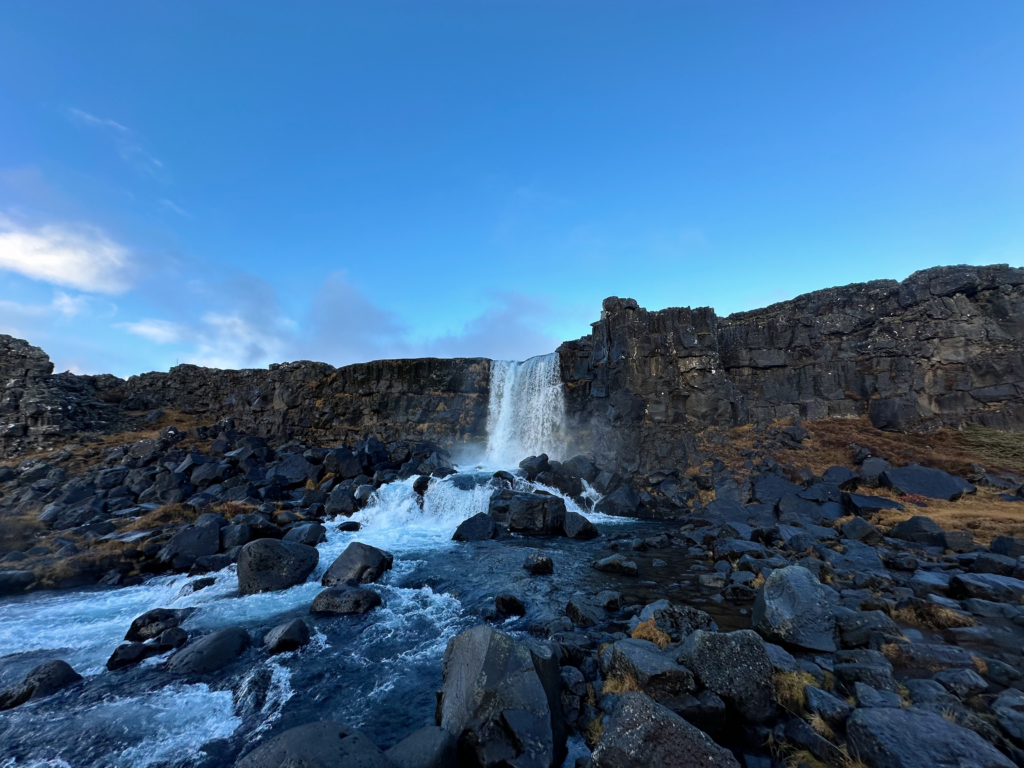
[[655, 671], [309, 534], [1007, 546], [986, 586], [209, 653], [616, 564], [919, 529], [536, 514], [360, 563], [576, 526], [860, 529], [866, 506], [323, 744], [130, 654], [643, 734], [828, 707], [507, 604], [154, 623], [342, 463], [191, 542], [678, 621], [345, 601], [736, 667], [534, 465], [580, 467], [912, 738], [925, 659], [584, 612], [916, 480], [340, 501], [501, 700], [538, 564], [268, 565], [429, 747], [792, 609], [44, 680], [289, 636], [15, 582], [480, 527], [293, 471], [622, 502]]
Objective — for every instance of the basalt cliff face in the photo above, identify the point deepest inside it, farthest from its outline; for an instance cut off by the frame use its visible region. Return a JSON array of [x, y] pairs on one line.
[[943, 347]]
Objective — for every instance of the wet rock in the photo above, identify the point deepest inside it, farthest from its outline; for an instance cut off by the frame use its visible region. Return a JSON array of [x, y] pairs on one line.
[[584, 612], [360, 563], [340, 501], [209, 653], [916, 480], [535, 465], [170, 639], [507, 604], [911, 738], [344, 601], [538, 564], [349, 526], [289, 636], [129, 654], [429, 747], [986, 586], [501, 700], [536, 514], [268, 565], [15, 582], [643, 734], [153, 623], [480, 527], [736, 667], [309, 534], [576, 526], [622, 502], [792, 609], [323, 744], [44, 680], [616, 564]]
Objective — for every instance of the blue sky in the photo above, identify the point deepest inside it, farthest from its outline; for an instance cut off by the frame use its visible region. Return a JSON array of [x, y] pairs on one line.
[[242, 183]]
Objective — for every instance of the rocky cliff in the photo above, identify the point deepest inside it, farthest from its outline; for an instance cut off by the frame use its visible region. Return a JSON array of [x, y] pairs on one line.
[[943, 347]]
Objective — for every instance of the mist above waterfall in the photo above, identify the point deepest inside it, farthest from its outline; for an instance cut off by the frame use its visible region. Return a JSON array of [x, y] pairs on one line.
[[526, 413]]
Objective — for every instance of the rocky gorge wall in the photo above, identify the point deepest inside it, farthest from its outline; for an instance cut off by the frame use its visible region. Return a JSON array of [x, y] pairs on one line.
[[943, 347]]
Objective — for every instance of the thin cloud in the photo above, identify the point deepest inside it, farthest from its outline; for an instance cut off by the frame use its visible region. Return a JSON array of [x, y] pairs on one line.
[[157, 331], [71, 257], [172, 206], [125, 143], [85, 117]]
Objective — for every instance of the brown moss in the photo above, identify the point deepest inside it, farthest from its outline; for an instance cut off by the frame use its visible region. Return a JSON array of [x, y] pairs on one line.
[[624, 684], [925, 615], [789, 689], [19, 532], [646, 630]]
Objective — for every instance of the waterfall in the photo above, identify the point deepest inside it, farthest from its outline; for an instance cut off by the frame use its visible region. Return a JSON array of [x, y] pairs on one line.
[[526, 412]]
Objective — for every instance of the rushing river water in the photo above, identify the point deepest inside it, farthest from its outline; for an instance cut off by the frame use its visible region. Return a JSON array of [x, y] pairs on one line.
[[378, 671]]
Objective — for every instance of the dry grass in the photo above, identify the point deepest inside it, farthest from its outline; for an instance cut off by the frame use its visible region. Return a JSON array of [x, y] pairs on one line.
[[821, 727], [168, 514], [789, 689], [982, 513], [646, 630], [624, 684], [592, 733], [19, 532], [925, 615], [980, 665]]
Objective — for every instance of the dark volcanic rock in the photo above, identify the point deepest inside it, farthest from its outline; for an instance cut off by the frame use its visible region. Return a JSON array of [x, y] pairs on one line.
[[154, 623], [360, 563], [345, 601], [429, 747], [911, 738], [479, 527], [623, 502], [538, 564], [576, 526], [501, 700], [209, 653], [923, 481], [656, 672], [44, 680], [644, 734], [268, 565], [324, 744], [736, 667], [289, 636], [792, 609], [616, 564]]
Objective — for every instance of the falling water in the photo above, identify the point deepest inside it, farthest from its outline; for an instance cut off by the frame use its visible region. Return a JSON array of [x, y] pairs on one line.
[[526, 413]]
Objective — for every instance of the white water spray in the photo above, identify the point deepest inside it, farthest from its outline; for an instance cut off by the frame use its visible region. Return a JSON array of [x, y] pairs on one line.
[[526, 412]]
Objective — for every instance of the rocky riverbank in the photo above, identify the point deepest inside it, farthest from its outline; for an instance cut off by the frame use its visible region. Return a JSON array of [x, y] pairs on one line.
[[767, 614]]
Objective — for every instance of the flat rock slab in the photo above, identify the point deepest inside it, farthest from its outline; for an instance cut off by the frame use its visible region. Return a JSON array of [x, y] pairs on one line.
[[916, 480]]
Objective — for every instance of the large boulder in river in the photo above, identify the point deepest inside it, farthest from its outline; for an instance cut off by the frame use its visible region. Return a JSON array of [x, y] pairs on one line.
[[345, 601], [501, 700], [916, 480], [210, 652], [360, 563], [912, 738], [268, 565], [324, 744], [155, 622], [429, 747], [479, 527], [44, 680], [793, 609], [734, 666], [643, 734], [191, 542], [289, 636], [576, 526], [536, 514]]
